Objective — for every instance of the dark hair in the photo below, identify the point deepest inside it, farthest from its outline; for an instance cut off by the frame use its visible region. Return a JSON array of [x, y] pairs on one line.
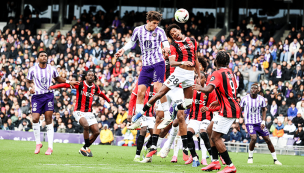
[[85, 73], [203, 62], [168, 29], [40, 53], [154, 15], [222, 58]]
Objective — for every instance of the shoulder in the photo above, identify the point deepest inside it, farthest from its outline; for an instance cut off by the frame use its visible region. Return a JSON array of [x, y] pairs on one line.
[[159, 29], [138, 28], [32, 68]]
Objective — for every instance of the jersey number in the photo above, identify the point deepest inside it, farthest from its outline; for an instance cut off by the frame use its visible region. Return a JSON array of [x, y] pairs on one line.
[[173, 79]]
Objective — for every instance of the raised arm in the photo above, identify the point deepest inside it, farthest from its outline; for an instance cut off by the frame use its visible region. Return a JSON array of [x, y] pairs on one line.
[[62, 85]]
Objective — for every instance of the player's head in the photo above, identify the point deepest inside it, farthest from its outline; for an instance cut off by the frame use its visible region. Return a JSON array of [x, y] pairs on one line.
[[153, 19], [222, 59], [203, 78], [42, 57], [89, 76], [254, 89], [203, 63], [174, 32]]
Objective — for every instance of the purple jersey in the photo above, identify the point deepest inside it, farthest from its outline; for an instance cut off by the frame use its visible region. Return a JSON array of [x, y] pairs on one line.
[[150, 44], [42, 78], [252, 108]]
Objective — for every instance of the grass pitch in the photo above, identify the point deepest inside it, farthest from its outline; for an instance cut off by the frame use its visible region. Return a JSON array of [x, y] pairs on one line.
[[18, 156]]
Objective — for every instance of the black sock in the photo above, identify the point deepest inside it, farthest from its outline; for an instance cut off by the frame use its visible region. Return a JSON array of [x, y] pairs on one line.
[[185, 144], [140, 143], [154, 139], [149, 143], [86, 143], [214, 153], [205, 138], [191, 144], [180, 107], [226, 157], [198, 143], [146, 107]]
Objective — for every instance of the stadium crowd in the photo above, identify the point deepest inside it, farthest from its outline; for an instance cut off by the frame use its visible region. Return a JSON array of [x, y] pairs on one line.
[[278, 68]]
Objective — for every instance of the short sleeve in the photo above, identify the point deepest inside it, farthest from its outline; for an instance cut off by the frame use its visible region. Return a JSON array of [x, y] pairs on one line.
[[243, 103], [162, 35], [30, 74], [134, 36], [216, 79], [97, 91], [55, 73], [172, 51], [263, 102]]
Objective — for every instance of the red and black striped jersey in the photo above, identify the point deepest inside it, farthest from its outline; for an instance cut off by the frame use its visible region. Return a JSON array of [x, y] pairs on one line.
[[200, 100], [169, 69], [226, 89], [149, 93], [184, 50]]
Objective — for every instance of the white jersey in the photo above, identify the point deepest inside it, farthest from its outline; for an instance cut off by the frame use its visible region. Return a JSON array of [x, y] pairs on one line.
[[42, 78], [252, 108], [150, 44]]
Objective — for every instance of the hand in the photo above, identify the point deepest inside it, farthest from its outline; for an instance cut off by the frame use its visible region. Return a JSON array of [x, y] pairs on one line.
[[167, 50], [129, 118], [72, 83], [197, 87], [262, 126], [188, 63], [32, 91], [204, 109], [214, 104], [119, 53]]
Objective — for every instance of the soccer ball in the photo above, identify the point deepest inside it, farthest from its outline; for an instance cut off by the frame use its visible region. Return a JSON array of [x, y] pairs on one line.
[[181, 15]]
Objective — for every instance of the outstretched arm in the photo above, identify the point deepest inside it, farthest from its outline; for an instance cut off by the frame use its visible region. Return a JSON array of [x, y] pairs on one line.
[[62, 85], [206, 89], [101, 94]]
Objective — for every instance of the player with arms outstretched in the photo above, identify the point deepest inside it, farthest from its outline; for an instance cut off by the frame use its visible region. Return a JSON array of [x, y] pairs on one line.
[[252, 104], [224, 83], [183, 57], [83, 108], [150, 38], [41, 75]]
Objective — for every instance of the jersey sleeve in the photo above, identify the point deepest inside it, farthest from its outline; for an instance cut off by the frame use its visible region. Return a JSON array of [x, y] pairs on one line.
[[135, 34], [54, 73], [132, 104], [62, 85], [212, 98], [162, 35], [243, 103], [172, 51], [216, 79], [30, 74], [263, 104], [101, 94]]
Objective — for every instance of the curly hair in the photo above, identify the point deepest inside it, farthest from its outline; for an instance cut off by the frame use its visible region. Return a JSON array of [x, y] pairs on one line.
[[168, 29], [154, 15], [85, 73], [222, 58], [203, 62]]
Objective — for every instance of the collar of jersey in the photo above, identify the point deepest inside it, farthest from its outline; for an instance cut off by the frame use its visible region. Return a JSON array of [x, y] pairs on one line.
[[87, 84], [181, 40], [148, 30]]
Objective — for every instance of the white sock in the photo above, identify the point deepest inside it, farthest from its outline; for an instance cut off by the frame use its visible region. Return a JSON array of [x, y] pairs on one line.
[[36, 129], [231, 165], [160, 140], [203, 149], [166, 144], [139, 108], [50, 134], [274, 156], [195, 158], [165, 106], [172, 135], [176, 145], [137, 156], [251, 153]]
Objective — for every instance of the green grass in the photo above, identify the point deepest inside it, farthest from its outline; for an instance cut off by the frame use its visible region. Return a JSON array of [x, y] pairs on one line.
[[18, 156]]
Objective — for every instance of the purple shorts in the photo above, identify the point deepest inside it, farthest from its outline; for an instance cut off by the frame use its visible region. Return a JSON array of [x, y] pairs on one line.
[[253, 129], [152, 73], [42, 103]]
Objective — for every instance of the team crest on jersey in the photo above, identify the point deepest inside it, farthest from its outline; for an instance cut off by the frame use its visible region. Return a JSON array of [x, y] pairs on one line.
[[154, 34], [93, 90], [35, 105], [50, 104], [205, 97], [212, 78], [168, 82]]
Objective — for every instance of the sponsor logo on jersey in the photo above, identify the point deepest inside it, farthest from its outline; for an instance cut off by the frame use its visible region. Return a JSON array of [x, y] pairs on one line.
[[212, 78]]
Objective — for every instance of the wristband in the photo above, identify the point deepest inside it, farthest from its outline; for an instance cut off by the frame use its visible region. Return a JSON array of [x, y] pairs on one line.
[[263, 122], [182, 63], [30, 88], [67, 81]]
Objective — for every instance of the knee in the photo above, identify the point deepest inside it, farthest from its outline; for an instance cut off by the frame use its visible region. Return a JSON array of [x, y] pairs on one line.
[[180, 116], [36, 120], [143, 131], [86, 127], [253, 138], [203, 135], [214, 138], [189, 135]]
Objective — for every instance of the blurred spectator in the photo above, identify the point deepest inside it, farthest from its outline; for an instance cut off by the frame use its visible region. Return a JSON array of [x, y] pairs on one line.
[[129, 137], [268, 123], [279, 130], [292, 111], [235, 135], [106, 136], [117, 130], [70, 128], [299, 137], [289, 129], [298, 120], [43, 127]]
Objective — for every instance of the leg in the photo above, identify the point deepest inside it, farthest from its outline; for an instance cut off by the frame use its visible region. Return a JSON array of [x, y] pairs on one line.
[[36, 127], [191, 145], [204, 136], [140, 97], [216, 137], [140, 140], [86, 134], [95, 133], [164, 89], [120, 143], [50, 128], [251, 145], [272, 150]]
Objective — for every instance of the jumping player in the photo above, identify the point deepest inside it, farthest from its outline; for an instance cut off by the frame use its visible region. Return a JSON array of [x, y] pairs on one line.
[[41, 75], [148, 124], [252, 105], [150, 38], [200, 117], [183, 57], [224, 83], [83, 108]]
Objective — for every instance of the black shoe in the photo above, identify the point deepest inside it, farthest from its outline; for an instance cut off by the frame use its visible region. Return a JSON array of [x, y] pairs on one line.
[[83, 152]]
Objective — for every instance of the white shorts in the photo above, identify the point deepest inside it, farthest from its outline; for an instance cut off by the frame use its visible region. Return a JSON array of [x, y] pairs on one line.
[[158, 106], [175, 95], [195, 125], [149, 122], [222, 124], [185, 77], [204, 124], [89, 116]]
